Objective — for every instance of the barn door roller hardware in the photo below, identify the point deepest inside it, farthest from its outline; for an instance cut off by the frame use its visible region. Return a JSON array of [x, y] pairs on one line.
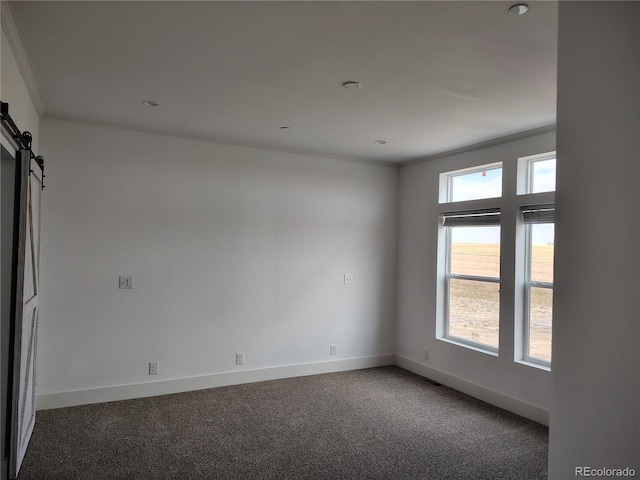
[[23, 140]]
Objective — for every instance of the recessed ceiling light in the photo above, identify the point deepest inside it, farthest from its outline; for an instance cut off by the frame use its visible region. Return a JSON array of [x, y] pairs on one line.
[[380, 142], [150, 103], [351, 84], [519, 9]]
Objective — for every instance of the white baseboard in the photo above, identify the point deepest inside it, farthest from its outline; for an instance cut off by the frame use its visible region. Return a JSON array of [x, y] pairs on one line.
[[164, 387], [511, 404]]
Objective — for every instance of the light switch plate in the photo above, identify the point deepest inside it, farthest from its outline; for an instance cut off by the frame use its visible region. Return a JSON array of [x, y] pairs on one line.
[[125, 282]]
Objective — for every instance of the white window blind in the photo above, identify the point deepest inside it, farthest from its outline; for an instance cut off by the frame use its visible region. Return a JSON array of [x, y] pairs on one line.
[[538, 213], [471, 218]]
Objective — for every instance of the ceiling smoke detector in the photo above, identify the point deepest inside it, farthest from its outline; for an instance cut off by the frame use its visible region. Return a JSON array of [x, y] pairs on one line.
[[519, 9]]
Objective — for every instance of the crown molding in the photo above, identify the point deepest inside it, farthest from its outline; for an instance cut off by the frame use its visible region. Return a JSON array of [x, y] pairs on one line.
[[210, 139], [9, 28], [488, 143]]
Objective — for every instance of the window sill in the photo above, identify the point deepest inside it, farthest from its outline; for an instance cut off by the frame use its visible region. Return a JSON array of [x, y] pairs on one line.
[[470, 345], [539, 366]]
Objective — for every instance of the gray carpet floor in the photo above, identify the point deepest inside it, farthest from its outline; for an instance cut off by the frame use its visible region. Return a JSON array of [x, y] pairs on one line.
[[382, 423]]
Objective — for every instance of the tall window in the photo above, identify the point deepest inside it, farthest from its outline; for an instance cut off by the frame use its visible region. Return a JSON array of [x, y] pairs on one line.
[[472, 257], [539, 228], [473, 282], [539, 287]]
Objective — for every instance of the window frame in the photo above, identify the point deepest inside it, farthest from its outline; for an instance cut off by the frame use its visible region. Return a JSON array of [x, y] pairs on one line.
[[515, 283], [525, 172], [483, 347], [446, 182], [526, 197], [475, 206], [528, 284]]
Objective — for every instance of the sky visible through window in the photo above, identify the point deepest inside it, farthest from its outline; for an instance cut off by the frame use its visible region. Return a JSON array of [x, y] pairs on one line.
[[475, 185], [543, 176]]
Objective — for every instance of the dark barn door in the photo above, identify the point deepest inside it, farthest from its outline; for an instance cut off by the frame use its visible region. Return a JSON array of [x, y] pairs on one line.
[[25, 309]]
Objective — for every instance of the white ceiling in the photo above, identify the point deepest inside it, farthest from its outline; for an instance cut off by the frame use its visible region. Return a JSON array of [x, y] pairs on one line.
[[435, 76]]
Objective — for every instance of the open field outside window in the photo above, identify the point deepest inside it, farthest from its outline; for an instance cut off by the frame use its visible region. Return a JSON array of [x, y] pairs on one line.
[[539, 291], [473, 284]]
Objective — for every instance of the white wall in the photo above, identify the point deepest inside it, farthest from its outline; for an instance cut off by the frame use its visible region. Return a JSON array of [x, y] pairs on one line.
[[233, 249], [518, 387], [595, 405], [14, 92]]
